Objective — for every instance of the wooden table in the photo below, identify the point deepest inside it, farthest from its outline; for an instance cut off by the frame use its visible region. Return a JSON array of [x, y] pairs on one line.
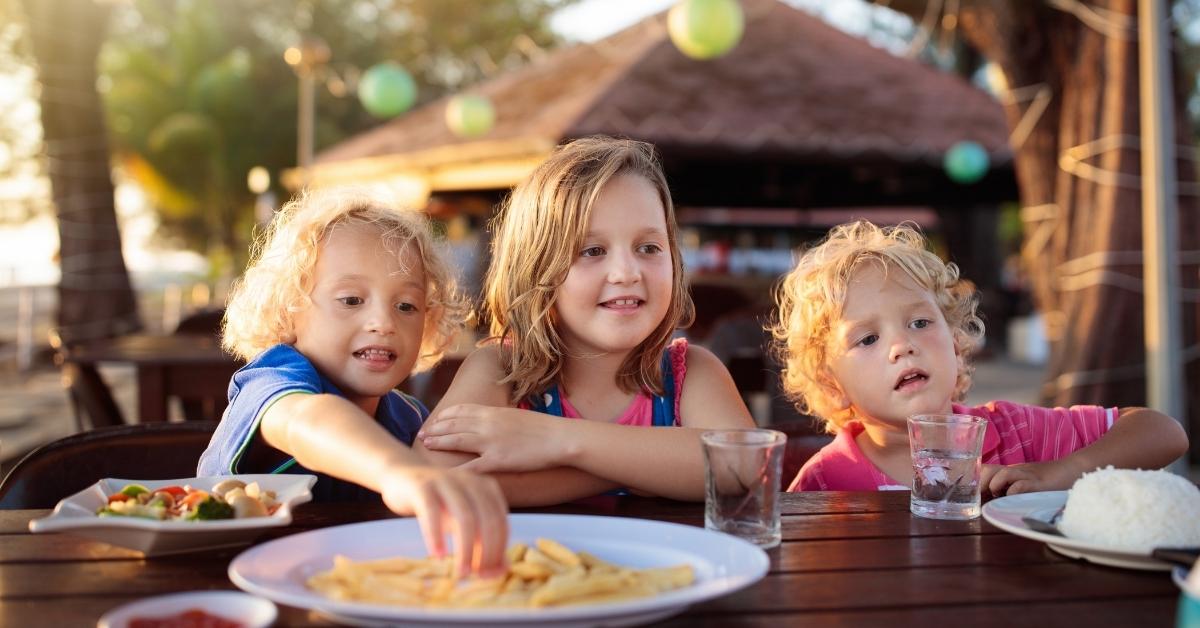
[[191, 367], [847, 559]]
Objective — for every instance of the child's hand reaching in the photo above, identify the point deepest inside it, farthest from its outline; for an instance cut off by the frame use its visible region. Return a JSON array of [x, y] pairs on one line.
[[504, 439], [1027, 477], [469, 507]]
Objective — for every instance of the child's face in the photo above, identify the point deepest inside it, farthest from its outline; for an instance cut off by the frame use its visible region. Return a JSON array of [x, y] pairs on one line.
[[619, 287], [892, 352], [363, 330]]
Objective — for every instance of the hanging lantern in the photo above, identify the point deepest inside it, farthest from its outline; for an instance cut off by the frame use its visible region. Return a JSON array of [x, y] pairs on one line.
[[705, 29], [470, 116], [966, 162], [387, 90]]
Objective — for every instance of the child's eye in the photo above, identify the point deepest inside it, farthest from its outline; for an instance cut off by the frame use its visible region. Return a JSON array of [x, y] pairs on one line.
[[406, 307], [351, 301], [650, 249], [921, 323], [868, 340], [592, 251]]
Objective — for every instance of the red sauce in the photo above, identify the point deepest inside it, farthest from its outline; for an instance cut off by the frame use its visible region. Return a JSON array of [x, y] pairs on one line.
[[192, 618]]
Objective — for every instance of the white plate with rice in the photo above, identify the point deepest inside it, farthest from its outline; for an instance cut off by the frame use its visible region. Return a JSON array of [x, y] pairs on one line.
[[1110, 516], [1006, 513]]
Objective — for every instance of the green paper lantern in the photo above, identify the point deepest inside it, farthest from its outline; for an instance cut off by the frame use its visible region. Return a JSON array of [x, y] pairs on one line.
[[705, 29], [387, 90], [470, 116], [966, 162]]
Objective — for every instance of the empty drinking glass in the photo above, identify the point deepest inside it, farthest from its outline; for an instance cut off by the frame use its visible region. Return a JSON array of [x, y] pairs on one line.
[[742, 470]]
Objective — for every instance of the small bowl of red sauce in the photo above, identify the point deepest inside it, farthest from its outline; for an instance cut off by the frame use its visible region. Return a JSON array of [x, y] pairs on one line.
[[193, 609]]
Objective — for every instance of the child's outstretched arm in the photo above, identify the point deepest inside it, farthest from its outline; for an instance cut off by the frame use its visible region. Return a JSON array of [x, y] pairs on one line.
[[328, 434], [659, 461], [1140, 438]]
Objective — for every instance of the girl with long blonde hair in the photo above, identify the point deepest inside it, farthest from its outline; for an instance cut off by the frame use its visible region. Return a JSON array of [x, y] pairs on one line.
[[584, 295]]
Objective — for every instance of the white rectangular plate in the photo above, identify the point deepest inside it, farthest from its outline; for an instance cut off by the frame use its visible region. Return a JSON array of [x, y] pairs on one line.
[[77, 515]]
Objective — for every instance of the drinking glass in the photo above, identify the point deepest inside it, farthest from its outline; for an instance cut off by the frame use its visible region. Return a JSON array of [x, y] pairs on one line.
[[945, 457], [742, 470]]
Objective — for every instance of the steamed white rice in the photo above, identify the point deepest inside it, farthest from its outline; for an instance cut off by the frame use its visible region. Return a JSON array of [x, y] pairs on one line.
[[1133, 510]]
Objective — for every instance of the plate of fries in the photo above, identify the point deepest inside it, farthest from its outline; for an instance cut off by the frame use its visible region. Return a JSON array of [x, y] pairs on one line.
[[565, 570]]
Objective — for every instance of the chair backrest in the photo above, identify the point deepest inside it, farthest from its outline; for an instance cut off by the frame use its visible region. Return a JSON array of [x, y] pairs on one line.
[[146, 451], [206, 322], [803, 442], [90, 397]]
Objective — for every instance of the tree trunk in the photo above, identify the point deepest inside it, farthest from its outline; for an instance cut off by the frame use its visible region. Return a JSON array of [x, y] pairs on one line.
[[96, 299], [1083, 225]]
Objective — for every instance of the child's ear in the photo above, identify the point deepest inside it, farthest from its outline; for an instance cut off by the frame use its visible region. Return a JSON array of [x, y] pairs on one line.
[[839, 398]]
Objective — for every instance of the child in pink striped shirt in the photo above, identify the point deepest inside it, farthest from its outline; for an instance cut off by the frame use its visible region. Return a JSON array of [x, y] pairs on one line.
[[874, 328]]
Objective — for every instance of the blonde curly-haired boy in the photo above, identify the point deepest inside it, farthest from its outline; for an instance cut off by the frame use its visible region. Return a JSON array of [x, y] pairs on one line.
[[345, 296], [873, 328]]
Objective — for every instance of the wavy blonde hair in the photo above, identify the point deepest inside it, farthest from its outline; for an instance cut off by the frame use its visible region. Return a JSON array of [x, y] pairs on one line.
[[279, 279], [538, 234], [811, 298]]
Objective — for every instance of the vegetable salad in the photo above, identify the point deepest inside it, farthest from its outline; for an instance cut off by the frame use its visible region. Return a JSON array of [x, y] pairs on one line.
[[229, 499]]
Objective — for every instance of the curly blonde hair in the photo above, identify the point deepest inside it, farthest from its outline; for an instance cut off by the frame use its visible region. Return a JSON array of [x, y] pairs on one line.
[[263, 304], [538, 234], [811, 298]]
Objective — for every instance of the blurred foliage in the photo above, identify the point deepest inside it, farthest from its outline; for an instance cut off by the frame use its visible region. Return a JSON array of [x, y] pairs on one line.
[[197, 91], [19, 148]]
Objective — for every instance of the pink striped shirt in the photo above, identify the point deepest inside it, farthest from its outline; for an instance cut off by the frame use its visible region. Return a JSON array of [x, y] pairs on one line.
[[1015, 433]]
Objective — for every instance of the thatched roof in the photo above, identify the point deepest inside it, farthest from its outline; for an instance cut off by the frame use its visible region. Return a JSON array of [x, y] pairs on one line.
[[795, 89]]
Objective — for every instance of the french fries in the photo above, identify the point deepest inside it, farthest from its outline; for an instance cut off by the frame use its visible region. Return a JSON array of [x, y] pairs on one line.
[[545, 575]]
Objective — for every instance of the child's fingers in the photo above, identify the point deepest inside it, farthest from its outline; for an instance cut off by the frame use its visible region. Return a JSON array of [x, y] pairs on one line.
[[477, 465], [428, 509], [1021, 486], [466, 524], [447, 425], [986, 473], [1000, 481], [469, 443], [493, 520]]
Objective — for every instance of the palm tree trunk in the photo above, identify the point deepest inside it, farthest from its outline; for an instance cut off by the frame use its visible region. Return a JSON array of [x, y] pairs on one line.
[[1079, 175], [96, 299]]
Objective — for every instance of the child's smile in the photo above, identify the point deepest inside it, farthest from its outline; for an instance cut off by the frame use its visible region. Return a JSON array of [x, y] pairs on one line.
[[376, 358]]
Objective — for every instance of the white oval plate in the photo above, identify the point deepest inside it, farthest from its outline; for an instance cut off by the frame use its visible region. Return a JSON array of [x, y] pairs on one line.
[[278, 569], [249, 611], [77, 515], [1006, 513]]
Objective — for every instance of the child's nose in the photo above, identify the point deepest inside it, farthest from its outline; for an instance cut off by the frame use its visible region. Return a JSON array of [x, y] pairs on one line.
[[902, 347], [379, 320], [623, 268]]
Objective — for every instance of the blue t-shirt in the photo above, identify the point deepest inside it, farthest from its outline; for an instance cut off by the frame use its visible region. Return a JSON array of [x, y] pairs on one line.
[[237, 447]]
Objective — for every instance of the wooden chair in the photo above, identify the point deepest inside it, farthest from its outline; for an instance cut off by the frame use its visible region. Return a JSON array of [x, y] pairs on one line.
[[802, 443], [147, 451], [91, 399], [206, 322]]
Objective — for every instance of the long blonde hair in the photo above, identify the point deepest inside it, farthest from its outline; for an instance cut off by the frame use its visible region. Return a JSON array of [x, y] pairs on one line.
[[538, 234], [812, 295], [263, 304]]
